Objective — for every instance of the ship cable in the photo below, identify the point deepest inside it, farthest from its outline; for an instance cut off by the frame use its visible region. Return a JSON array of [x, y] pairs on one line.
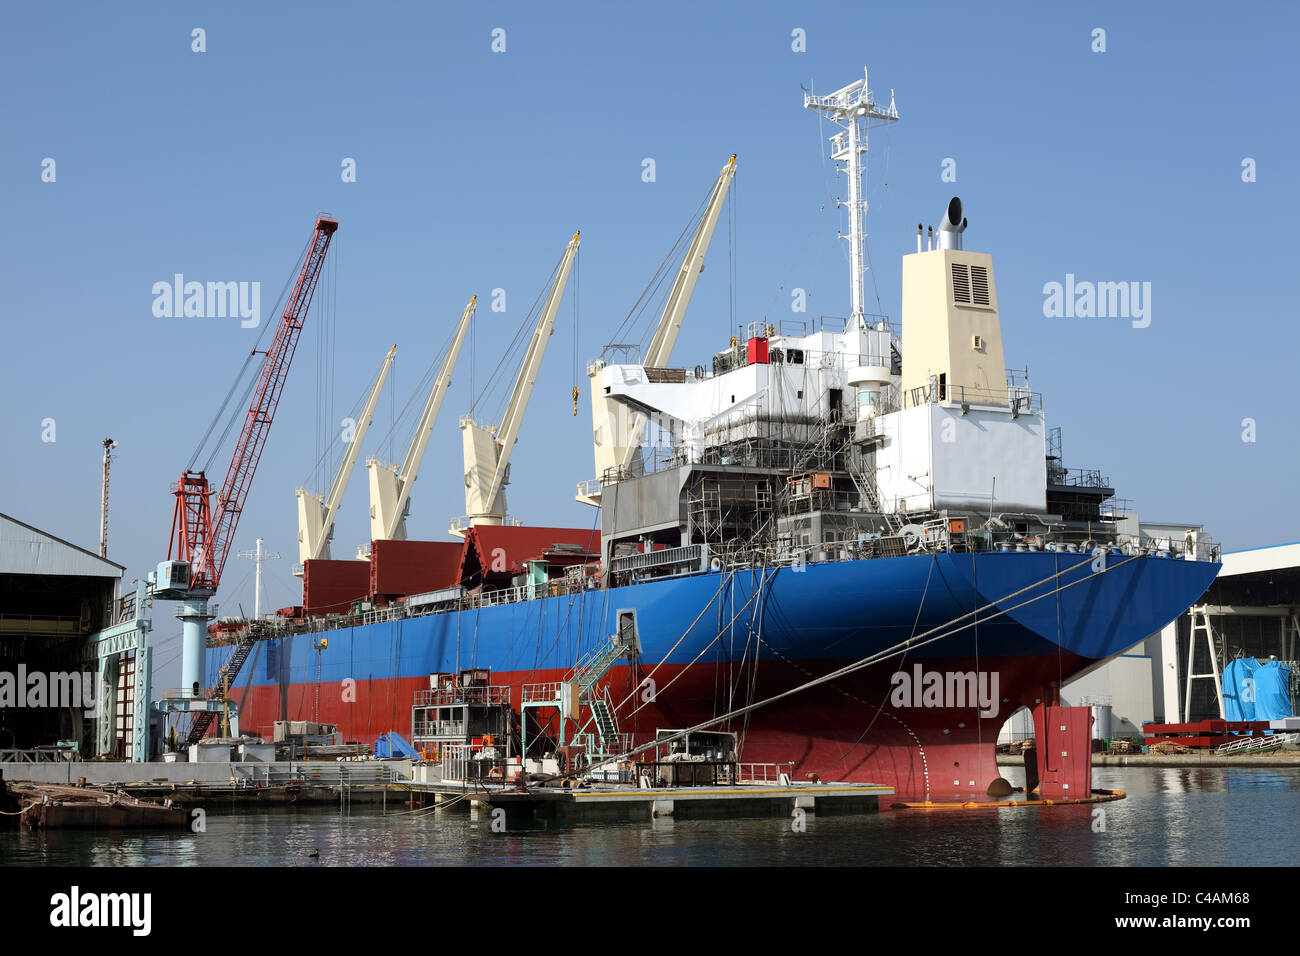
[[880, 708], [354, 413], [521, 337], [422, 387], [258, 346], [752, 690], [635, 317], [721, 628], [730, 624], [937, 633], [648, 678], [562, 627]]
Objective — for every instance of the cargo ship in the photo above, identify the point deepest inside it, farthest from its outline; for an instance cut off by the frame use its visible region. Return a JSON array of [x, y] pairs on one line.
[[853, 547]]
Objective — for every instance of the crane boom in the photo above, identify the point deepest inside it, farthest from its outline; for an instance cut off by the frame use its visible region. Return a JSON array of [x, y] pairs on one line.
[[670, 323], [615, 445], [204, 538], [390, 488], [487, 450], [316, 513]]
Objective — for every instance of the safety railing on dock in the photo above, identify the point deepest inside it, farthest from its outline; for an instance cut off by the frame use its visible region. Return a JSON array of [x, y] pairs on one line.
[[764, 772]]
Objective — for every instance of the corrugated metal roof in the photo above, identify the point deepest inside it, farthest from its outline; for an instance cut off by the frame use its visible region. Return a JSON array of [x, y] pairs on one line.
[[28, 550], [1272, 558]]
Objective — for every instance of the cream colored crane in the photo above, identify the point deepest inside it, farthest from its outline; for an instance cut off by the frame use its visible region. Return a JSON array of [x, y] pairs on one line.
[[617, 434], [390, 486], [487, 448], [316, 512]]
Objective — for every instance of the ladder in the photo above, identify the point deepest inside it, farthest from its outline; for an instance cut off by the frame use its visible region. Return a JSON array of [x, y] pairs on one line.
[[1200, 615], [865, 482], [1250, 744], [603, 711], [199, 729], [593, 667]]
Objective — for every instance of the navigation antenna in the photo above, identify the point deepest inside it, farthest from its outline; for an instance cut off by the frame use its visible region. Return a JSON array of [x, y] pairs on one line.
[[854, 109]]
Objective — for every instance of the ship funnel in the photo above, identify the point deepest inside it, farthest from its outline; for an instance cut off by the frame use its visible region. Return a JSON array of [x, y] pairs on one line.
[[953, 225], [919, 232]]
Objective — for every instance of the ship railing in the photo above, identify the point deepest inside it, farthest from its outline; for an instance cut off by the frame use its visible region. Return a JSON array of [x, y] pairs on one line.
[[1021, 401], [339, 773], [764, 772], [844, 360], [837, 324], [473, 694], [1191, 545], [379, 615], [510, 595], [547, 692], [593, 745], [1079, 478]]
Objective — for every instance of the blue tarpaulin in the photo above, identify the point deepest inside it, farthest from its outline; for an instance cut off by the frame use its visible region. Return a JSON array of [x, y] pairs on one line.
[[393, 744], [1256, 691]]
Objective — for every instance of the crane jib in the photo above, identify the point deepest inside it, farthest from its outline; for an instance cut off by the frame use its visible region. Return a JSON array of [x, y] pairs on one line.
[[200, 535]]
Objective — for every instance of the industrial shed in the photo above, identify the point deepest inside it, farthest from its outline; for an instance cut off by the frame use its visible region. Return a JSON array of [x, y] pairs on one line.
[[53, 596]]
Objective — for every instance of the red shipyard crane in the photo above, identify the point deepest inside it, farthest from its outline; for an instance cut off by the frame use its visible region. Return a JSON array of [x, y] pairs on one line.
[[202, 533]]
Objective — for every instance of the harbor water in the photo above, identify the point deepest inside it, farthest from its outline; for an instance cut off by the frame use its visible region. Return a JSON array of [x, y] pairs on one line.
[[1171, 817]]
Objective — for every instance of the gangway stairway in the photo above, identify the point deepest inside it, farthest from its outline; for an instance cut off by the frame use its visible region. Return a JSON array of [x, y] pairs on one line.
[[603, 713], [203, 720], [592, 668]]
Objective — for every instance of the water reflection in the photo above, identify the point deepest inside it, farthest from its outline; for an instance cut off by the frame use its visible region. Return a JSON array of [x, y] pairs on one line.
[[1172, 817]]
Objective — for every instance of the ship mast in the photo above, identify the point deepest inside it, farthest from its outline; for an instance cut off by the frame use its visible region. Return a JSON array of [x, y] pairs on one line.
[[854, 109]]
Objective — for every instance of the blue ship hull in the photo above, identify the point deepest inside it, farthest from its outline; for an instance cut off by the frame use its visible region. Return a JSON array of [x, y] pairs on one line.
[[714, 642]]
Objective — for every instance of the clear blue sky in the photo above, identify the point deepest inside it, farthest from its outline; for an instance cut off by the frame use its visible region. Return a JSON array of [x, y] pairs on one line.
[[474, 167]]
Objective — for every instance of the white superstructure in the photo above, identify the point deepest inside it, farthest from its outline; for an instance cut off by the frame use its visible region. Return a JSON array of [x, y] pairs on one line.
[[923, 424]]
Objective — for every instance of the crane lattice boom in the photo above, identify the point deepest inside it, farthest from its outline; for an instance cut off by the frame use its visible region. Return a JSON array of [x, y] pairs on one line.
[[201, 535]]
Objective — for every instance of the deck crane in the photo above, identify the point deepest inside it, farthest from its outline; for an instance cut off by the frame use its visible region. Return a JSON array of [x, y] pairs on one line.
[[616, 446], [201, 534], [316, 512], [390, 486], [487, 448]]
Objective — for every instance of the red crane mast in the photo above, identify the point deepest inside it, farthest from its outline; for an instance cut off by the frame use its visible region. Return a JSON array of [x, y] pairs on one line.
[[199, 534]]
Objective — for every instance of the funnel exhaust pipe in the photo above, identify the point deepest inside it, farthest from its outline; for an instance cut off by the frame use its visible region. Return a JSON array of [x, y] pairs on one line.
[[953, 225]]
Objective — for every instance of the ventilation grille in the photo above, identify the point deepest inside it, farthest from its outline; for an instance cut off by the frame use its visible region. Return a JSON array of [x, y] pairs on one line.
[[979, 280], [970, 284], [961, 283]]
